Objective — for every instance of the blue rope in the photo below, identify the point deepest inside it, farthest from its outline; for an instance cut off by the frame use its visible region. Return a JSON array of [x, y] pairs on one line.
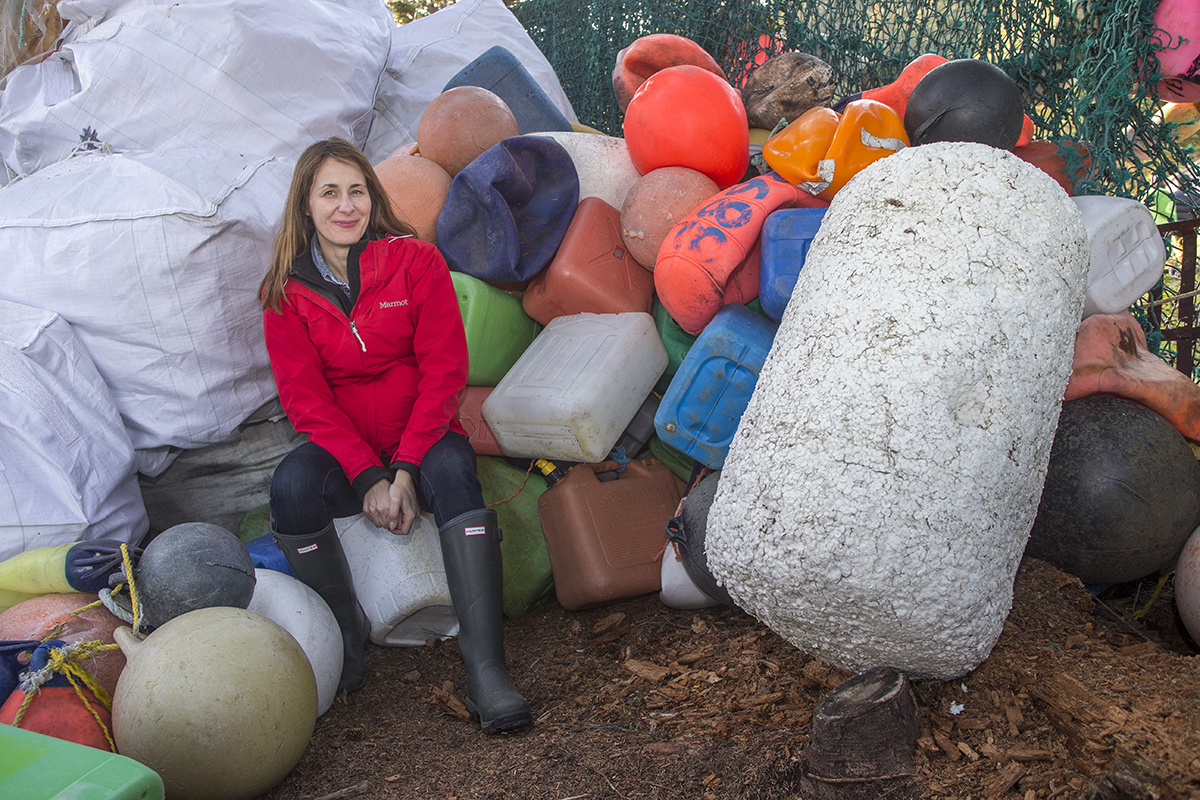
[[618, 455]]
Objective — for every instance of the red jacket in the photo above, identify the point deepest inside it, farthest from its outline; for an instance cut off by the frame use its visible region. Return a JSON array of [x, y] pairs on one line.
[[376, 387]]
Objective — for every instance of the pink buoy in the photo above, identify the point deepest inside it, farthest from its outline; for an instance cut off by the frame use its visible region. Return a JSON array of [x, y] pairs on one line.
[[54, 616], [461, 123], [1187, 586], [655, 203], [417, 188], [688, 117], [1178, 23]]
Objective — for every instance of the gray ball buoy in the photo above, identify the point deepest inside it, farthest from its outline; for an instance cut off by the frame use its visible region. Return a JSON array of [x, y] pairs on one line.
[[694, 523], [191, 566], [1122, 492]]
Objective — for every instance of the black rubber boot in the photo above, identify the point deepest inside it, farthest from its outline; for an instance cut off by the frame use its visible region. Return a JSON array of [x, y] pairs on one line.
[[471, 552], [320, 563]]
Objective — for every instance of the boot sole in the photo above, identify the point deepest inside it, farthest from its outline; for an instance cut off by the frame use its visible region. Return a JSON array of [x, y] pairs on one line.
[[505, 722]]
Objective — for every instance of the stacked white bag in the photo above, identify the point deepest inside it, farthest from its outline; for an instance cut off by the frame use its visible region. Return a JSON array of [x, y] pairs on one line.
[[66, 464], [154, 150]]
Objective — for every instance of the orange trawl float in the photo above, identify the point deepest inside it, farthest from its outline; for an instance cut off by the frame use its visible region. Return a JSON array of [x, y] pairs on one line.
[[1111, 357]]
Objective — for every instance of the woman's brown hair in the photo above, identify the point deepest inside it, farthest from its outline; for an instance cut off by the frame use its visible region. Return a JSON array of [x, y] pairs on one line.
[[296, 228]]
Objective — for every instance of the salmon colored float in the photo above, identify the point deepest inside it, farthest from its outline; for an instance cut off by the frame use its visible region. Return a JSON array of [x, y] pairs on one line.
[[61, 616], [417, 188], [657, 201], [1111, 357], [460, 123], [1045, 156], [649, 54], [697, 271], [688, 117]]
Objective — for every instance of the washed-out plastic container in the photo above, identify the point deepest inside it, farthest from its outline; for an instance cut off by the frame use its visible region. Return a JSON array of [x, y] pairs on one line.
[[470, 415], [34, 766], [592, 270], [605, 537], [678, 588], [528, 578], [498, 329], [577, 387], [1127, 252], [700, 410], [400, 581], [786, 237]]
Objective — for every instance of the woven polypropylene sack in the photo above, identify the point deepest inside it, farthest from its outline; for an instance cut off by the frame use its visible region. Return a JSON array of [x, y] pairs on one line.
[[66, 463], [428, 52], [155, 260], [250, 76]]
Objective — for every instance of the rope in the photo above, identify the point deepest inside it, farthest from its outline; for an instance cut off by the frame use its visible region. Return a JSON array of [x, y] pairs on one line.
[[618, 455], [67, 660], [519, 488]]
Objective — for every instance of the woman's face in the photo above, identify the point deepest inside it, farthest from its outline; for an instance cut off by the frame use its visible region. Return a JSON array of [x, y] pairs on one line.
[[339, 205]]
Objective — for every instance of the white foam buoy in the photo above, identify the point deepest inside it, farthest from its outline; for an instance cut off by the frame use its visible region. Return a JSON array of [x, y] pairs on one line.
[[300, 611]]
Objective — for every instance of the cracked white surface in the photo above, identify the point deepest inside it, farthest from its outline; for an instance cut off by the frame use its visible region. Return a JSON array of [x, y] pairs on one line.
[[882, 483]]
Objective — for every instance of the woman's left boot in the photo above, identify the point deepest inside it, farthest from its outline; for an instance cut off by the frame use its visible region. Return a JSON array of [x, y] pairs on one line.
[[320, 563], [471, 552]]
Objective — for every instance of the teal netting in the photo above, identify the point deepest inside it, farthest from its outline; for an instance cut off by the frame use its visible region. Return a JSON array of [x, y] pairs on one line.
[[1087, 69]]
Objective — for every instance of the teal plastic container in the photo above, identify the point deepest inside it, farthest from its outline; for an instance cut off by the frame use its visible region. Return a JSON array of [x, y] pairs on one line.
[[528, 579], [34, 766], [701, 409], [498, 329]]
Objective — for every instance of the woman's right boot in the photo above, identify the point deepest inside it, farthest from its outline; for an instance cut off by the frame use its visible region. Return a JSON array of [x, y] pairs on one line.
[[320, 562]]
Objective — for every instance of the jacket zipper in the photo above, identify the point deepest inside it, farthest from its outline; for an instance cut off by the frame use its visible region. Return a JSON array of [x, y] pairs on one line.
[[354, 330]]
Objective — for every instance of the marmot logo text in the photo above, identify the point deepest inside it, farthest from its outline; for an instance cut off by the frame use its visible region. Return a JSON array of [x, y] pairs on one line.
[[393, 303]]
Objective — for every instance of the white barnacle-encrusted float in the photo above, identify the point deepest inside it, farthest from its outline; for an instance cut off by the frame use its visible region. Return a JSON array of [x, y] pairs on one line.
[[883, 481]]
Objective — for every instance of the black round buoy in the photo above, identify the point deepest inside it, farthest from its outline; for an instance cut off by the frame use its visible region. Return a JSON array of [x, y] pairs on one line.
[[694, 520], [191, 566], [966, 100], [1122, 492]]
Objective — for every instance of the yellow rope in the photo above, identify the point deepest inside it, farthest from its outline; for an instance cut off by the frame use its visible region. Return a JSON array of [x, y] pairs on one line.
[[68, 661], [1164, 576]]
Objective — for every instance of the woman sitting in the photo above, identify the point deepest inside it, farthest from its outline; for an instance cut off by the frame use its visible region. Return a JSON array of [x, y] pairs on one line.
[[368, 352]]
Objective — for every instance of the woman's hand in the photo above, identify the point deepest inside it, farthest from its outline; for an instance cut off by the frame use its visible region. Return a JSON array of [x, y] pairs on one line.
[[392, 505]]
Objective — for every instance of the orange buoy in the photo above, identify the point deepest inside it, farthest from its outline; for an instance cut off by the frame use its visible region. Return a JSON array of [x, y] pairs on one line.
[[58, 616], [461, 123], [417, 188], [688, 117], [1045, 156], [649, 54], [657, 201]]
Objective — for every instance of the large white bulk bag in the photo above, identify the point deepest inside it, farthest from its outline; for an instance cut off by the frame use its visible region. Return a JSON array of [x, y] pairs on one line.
[[66, 463], [155, 260], [261, 77], [428, 52]]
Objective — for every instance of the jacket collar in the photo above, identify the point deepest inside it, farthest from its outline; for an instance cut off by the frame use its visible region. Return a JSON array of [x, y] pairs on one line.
[[305, 271]]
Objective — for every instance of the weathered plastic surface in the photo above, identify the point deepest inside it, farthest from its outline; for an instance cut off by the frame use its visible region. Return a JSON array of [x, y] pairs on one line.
[[1127, 252], [41, 767], [497, 327], [786, 237], [700, 410], [575, 389]]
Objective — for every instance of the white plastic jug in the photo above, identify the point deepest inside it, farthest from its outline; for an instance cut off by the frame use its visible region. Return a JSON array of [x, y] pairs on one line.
[[678, 588], [1127, 252], [576, 388], [400, 581]]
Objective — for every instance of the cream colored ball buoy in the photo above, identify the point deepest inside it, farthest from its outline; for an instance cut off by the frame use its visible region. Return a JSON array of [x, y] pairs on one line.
[[461, 123], [417, 187], [300, 611], [220, 702]]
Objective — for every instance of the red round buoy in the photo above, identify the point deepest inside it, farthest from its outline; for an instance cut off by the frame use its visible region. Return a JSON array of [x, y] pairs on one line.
[[58, 710], [461, 123], [655, 203], [651, 53], [417, 188], [688, 117]]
